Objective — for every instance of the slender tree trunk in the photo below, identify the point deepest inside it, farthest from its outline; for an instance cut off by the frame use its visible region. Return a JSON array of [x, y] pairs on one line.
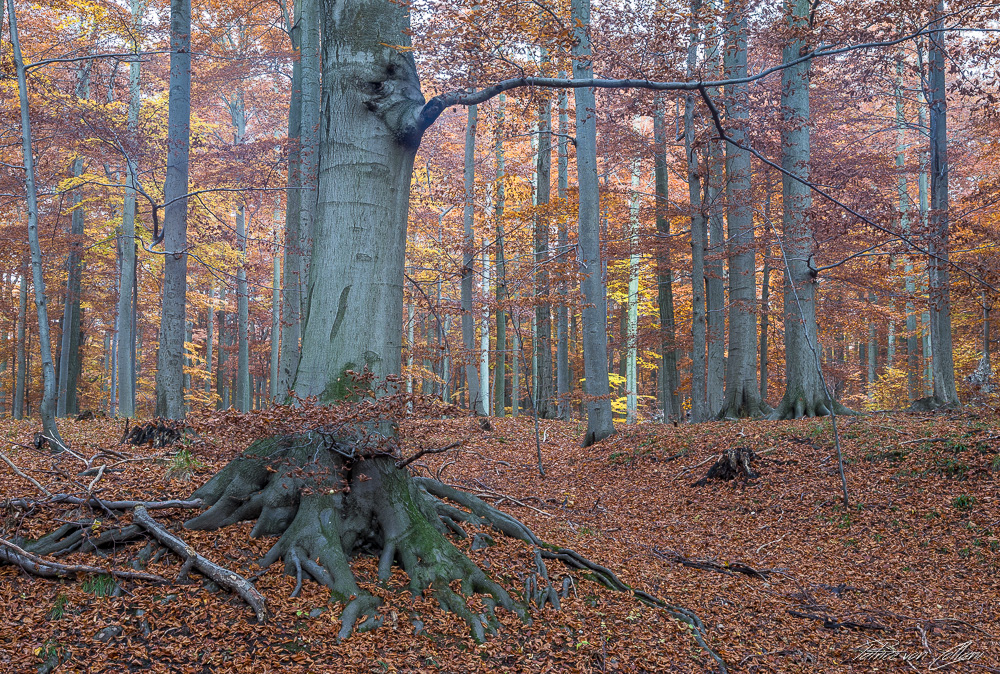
[[563, 383], [912, 365], [500, 369], [220, 377], [21, 367], [484, 336], [699, 411], [48, 407], [923, 188], [170, 368], [669, 380], [545, 402], [631, 332], [275, 313], [209, 337], [765, 316], [715, 294], [293, 290], [129, 258], [600, 423], [743, 397], [939, 297], [243, 401], [468, 265]]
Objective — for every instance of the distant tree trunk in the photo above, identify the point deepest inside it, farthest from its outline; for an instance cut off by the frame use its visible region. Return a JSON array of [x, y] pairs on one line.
[[170, 361], [669, 380], [129, 259], [21, 367], [765, 315], [484, 336], [698, 235], [912, 365], [468, 265], [220, 372], [500, 369], [209, 336], [243, 401], [563, 383], [545, 402], [69, 362], [293, 290], [805, 392], [939, 289], [48, 407], [631, 336], [923, 188], [275, 312], [600, 423], [310, 22], [715, 293], [743, 397]]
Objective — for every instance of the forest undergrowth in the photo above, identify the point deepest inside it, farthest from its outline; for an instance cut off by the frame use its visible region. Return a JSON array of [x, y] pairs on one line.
[[783, 576]]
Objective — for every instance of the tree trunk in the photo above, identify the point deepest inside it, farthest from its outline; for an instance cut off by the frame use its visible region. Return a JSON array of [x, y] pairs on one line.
[[699, 235], [765, 316], [484, 336], [600, 423], [500, 368], [669, 380], [129, 257], [805, 391], [243, 401], [170, 360], [743, 397], [939, 298], [275, 313], [715, 294], [21, 366], [912, 365], [544, 398], [563, 382], [632, 322], [476, 403], [209, 337], [48, 407], [310, 26]]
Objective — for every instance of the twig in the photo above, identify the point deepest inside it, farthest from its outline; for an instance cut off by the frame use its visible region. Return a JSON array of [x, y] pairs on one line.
[[503, 497], [405, 463], [220, 575], [927, 440], [688, 470], [24, 475], [761, 547], [40, 566], [100, 474], [113, 505]]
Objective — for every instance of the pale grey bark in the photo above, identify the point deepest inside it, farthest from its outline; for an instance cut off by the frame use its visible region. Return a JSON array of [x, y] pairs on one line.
[[500, 367], [765, 316], [939, 290], [21, 366], [371, 101], [923, 189], [715, 294], [484, 335], [600, 423], [669, 379], [544, 396], [563, 382], [209, 337], [170, 360], [275, 311], [243, 401], [805, 391], [476, 403], [632, 322], [310, 19], [912, 366], [743, 397], [129, 260], [294, 280], [69, 351], [699, 235], [48, 406]]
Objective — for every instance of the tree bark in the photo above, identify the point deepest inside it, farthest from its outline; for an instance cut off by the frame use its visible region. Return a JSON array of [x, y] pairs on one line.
[[939, 298], [170, 360], [500, 367], [21, 363], [715, 294], [743, 397], [48, 406], [632, 320], [600, 423], [545, 402], [476, 402], [669, 380], [563, 382]]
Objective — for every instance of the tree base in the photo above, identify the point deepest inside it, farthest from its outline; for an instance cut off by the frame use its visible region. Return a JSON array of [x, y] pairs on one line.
[[327, 502], [807, 405], [734, 463]]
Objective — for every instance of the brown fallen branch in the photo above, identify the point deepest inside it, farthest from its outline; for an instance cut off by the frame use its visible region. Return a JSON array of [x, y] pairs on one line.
[[728, 568], [921, 440], [832, 624], [222, 576], [439, 450], [27, 477], [24, 503], [46, 568]]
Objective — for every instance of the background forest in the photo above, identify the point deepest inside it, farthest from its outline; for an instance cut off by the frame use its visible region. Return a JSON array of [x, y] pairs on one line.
[[98, 116]]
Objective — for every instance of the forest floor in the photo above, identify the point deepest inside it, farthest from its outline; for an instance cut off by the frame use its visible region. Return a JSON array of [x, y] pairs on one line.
[[784, 577]]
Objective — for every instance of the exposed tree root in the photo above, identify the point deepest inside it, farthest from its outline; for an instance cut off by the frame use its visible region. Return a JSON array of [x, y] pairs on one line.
[[39, 566], [328, 502], [808, 404], [224, 577]]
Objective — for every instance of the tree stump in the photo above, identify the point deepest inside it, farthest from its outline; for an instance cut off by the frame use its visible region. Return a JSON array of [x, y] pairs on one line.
[[733, 463]]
